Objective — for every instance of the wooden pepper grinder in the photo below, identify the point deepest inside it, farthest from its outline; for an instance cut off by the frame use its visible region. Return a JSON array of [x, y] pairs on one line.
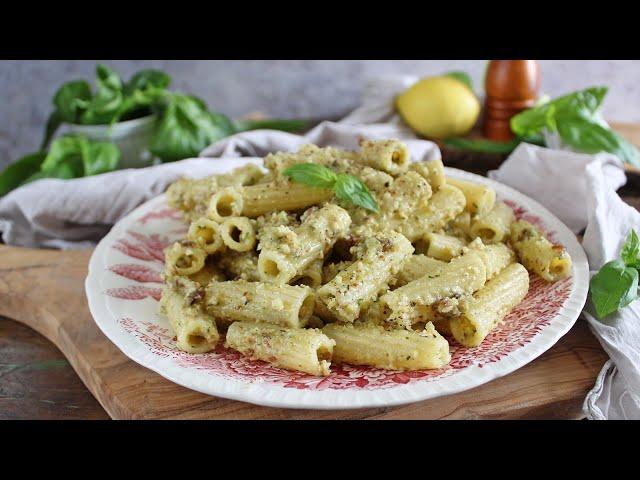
[[511, 86]]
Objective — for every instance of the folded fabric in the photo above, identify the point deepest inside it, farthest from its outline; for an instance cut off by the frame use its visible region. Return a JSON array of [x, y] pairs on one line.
[[616, 395], [557, 179], [77, 213], [581, 190]]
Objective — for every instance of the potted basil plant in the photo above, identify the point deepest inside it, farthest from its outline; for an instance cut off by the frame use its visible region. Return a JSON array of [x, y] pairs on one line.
[[143, 118]]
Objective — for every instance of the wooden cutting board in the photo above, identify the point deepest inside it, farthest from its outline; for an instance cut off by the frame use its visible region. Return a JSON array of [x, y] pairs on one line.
[[44, 289]]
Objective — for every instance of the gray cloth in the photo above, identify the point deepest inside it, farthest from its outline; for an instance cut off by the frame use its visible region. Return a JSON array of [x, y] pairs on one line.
[[584, 195], [77, 213]]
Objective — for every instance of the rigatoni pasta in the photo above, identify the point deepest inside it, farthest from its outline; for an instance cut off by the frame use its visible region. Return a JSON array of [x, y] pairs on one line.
[[551, 262], [355, 287], [238, 234], [490, 305], [206, 234], [391, 156], [399, 349], [184, 258], [300, 276], [285, 305], [495, 226], [287, 252], [462, 276], [479, 198], [304, 349], [195, 331]]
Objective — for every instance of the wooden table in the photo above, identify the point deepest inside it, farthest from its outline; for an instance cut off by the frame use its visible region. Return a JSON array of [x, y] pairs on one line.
[[37, 382]]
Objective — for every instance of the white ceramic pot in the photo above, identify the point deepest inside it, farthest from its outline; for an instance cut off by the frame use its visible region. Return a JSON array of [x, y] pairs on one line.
[[132, 138]]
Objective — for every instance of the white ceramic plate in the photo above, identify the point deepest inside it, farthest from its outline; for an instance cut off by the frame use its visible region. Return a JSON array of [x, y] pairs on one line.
[[123, 287]]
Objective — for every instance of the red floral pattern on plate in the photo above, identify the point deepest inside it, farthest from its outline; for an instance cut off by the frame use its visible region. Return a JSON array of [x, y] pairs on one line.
[[134, 292], [540, 306], [137, 272]]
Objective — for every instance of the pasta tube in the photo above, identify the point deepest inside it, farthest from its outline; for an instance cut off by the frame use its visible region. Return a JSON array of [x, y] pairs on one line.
[[418, 266], [404, 204], [191, 195], [262, 198], [432, 171], [462, 276], [495, 257], [442, 247], [479, 198], [369, 344], [490, 305], [195, 331], [460, 226], [287, 252], [391, 156], [184, 258], [495, 226], [302, 349], [225, 203], [239, 300], [355, 287], [311, 276], [539, 255], [206, 233], [444, 206], [238, 234]]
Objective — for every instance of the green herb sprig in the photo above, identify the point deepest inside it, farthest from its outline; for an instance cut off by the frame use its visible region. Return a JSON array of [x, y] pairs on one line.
[[616, 284], [574, 117], [346, 187], [69, 157]]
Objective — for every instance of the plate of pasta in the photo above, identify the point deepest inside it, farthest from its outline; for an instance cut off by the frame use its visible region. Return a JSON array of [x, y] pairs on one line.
[[331, 279]]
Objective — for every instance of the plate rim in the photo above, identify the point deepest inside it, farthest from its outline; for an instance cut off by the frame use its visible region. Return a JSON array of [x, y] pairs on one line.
[[278, 396]]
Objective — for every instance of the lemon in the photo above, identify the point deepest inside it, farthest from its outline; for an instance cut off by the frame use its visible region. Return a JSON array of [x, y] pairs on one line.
[[439, 107]]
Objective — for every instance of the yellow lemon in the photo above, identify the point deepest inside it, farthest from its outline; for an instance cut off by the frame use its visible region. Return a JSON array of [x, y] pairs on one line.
[[439, 107]]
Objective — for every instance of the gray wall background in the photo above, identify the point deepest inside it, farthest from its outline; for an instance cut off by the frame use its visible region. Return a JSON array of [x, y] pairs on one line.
[[286, 88]]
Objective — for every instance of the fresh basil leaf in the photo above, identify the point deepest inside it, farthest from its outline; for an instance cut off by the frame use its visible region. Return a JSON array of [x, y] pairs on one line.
[[139, 104], [16, 173], [533, 121], [67, 150], [271, 124], [108, 99], [461, 76], [350, 189], [71, 99], [100, 157], [146, 79], [630, 249], [615, 286], [311, 174], [587, 136], [185, 128], [582, 103]]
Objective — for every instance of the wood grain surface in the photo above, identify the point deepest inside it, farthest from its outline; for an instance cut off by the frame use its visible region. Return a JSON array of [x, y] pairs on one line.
[[44, 290]]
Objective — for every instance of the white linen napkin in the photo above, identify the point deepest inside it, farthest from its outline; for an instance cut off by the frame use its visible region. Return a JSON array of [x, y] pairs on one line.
[[581, 190]]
